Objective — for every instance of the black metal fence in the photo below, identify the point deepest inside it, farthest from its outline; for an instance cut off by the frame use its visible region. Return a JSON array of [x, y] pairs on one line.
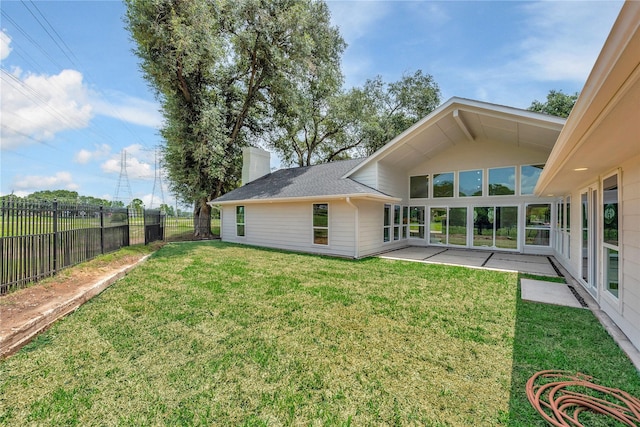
[[40, 238]]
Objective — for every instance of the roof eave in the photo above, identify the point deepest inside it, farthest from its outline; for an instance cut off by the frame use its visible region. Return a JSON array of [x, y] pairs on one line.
[[356, 196]]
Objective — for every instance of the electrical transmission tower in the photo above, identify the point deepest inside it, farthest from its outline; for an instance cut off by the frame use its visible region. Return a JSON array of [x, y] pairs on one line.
[[157, 182], [123, 180]]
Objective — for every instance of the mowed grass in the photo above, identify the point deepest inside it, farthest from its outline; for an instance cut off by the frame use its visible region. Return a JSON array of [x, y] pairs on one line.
[[218, 334]]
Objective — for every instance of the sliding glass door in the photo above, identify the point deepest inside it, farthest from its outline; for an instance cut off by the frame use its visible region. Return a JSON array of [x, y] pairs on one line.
[[495, 227], [448, 226]]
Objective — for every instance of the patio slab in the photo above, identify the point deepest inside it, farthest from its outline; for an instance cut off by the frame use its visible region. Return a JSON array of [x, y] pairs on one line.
[[532, 264], [548, 293]]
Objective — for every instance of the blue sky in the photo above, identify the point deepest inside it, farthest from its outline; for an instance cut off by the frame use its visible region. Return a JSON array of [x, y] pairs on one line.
[[72, 95]]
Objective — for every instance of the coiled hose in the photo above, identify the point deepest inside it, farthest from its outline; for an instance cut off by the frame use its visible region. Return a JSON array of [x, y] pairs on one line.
[[560, 397]]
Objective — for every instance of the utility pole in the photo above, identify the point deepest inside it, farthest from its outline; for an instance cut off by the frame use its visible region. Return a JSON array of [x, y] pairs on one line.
[[157, 182], [123, 180]]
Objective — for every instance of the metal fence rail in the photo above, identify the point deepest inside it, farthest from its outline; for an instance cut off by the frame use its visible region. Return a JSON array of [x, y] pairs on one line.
[[40, 238]]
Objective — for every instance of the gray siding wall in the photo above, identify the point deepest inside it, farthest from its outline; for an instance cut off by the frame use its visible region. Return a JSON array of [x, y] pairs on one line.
[[290, 226]]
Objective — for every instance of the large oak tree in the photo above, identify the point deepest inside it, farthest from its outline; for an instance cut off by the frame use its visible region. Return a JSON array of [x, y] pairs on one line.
[[221, 69]]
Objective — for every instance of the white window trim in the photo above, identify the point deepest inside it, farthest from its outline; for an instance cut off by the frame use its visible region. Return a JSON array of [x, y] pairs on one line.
[[313, 227], [432, 183], [549, 228], [244, 223], [615, 301], [516, 181], [482, 187]]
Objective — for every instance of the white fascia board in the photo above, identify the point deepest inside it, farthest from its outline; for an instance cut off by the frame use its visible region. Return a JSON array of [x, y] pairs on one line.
[[381, 198]]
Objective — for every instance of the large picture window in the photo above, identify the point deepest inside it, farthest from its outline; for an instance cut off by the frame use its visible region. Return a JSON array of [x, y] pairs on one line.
[[529, 178], [610, 247], [470, 183], [443, 184], [320, 224], [419, 187], [502, 181], [240, 221]]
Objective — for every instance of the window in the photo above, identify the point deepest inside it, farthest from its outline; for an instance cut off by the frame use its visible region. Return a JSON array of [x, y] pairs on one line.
[[529, 178], [448, 226], [405, 222], [419, 187], [386, 231], [567, 222], [443, 184], [610, 234], [502, 181], [416, 222], [320, 224], [240, 221], [538, 224], [495, 226], [397, 221], [470, 183]]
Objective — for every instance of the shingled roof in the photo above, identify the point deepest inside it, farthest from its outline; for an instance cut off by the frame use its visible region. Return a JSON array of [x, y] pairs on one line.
[[323, 180]]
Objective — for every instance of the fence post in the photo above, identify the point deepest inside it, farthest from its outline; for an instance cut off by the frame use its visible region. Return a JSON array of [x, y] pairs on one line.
[[55, 235], [101, 230]]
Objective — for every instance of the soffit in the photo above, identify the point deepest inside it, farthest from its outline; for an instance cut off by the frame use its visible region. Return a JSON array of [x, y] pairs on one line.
[[469, 124]]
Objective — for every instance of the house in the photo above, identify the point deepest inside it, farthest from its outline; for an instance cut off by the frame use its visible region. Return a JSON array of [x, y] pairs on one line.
[[480, 176], [463, 176], [594, 171]]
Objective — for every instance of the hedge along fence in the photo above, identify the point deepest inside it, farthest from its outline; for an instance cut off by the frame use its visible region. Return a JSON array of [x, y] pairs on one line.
[[40, 238]]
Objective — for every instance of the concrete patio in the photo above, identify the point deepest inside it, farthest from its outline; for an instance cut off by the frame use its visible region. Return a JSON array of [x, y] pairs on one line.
[[504, 261]]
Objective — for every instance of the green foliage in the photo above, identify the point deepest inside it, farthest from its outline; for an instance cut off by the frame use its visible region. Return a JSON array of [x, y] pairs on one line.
[[220, 69], [325, 123], [65, 195], [558, 104]]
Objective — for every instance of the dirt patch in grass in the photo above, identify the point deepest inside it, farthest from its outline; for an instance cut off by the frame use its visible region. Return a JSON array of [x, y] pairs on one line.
[[21, 306]]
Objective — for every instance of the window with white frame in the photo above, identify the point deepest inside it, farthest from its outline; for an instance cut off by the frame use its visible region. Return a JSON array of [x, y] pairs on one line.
[[443, 184], [529, 175], [610, 230], [538, 224], [416, 222], [502, 181], [419, 187], [240, 221], [405, 222], [320, 223], [386, 229], [470, 183], [397, 221]]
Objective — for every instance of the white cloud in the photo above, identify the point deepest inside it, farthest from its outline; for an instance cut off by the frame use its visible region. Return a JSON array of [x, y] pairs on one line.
[[31, 183], [357, 18], [36, 107], [139, 163], [5, 49], [564, 38], [129, 109], [85, 156]]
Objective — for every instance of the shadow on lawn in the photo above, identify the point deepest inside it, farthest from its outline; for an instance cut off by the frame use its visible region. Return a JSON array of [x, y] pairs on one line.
[[562, 338]]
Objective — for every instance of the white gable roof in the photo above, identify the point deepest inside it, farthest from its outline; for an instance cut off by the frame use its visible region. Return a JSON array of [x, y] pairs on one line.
[[459, 120]]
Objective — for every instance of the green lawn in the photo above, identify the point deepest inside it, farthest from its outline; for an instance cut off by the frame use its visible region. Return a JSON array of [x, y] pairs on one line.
[[212, 333]]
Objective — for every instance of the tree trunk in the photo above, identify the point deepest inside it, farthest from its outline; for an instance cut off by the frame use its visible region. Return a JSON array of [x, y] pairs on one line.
[[202, 220]]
